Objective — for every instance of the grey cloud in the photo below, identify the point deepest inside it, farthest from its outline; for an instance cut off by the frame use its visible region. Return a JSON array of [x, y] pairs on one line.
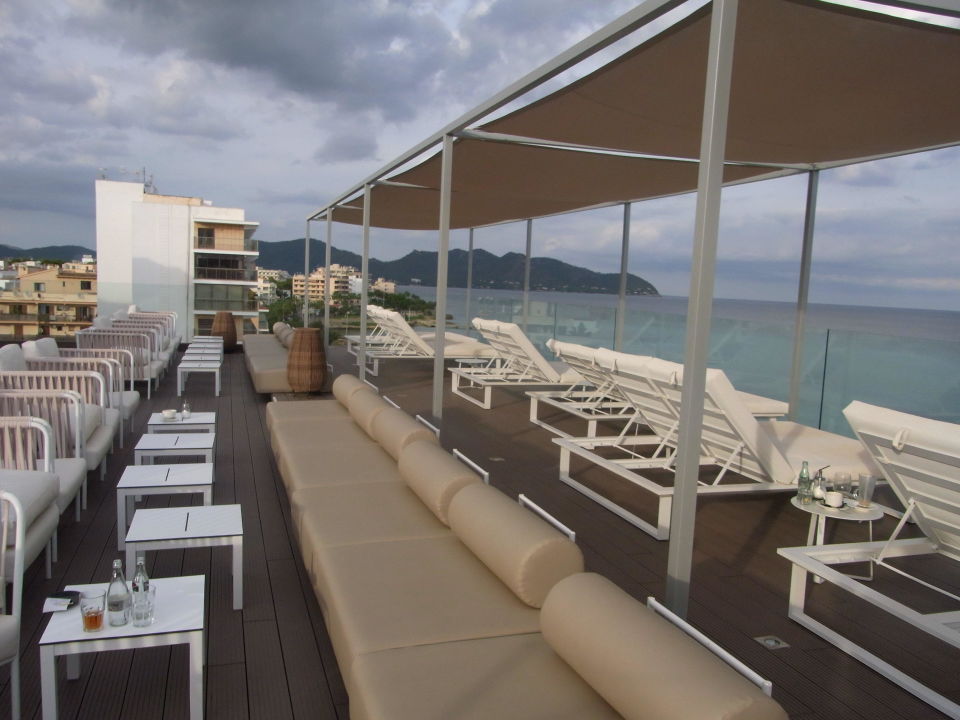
[[347, 146], [63, 188]]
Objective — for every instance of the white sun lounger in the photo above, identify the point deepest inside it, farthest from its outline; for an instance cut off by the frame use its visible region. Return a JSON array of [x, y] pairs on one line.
[[517, 364], [395, 339], [767, 455], [920, 458], [598, 398]]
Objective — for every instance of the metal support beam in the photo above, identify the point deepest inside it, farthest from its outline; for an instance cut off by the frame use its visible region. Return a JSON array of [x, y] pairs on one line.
[[622, 294], [699, 308], [306, 275], [469, 275], [328, 244], [365, 271], [803, 291], [443, 252], [526, 275]]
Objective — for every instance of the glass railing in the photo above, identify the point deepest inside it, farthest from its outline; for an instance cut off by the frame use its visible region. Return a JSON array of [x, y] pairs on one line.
[[242, 275], [245, 305], [207, 243]]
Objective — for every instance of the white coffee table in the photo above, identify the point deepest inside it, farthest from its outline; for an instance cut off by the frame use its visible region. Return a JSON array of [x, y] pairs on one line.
[[194, 366], [197, 422], [189, 527], [154, 445], [140, 480], [179, 620]]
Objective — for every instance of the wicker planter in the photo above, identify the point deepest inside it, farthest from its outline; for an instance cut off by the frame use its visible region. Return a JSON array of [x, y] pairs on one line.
[[224, 326], [306, 361]]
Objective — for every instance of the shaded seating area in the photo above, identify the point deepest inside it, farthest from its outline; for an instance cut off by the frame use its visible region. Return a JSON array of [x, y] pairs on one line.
[[920, 458]]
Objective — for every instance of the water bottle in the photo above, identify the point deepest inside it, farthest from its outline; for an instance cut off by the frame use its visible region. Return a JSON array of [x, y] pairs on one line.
[[185, 412], [141, 581], [805, 485], [118, 597]]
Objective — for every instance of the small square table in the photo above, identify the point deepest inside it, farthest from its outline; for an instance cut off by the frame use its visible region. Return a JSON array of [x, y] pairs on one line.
[[194, 366], [197, 422], [192, 355], [189, 527], [154, 445], [214, 340], [140, 480], [179, 620]]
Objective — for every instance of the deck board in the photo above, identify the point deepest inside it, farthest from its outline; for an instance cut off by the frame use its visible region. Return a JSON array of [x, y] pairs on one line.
[[274, 660]]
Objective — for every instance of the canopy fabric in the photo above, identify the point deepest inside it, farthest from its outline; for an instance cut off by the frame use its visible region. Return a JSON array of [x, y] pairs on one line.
[[813, 83]]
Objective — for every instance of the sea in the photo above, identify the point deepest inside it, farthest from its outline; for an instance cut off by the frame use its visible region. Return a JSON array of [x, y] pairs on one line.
[[901, 358]]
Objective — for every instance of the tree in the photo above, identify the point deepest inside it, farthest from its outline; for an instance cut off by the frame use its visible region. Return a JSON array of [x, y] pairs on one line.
[[285, 309]]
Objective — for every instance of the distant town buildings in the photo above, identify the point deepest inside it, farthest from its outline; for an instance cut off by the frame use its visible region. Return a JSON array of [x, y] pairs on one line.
[[342, 278], [39, 300], [175, 253]]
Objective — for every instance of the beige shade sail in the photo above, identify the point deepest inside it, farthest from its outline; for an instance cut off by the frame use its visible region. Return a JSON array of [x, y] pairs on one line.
[[813, 84]]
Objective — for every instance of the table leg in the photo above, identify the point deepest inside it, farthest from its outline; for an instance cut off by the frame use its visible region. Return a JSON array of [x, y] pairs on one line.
[[196, 676], [131, 556], [179, 382], [238, 573], [73, 666], [48, 682], [812, 530], [121, 518], [218, 381], [208, 496]]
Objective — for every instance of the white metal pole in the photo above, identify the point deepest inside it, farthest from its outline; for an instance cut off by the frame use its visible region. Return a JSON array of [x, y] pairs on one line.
[[803, 291], [306, 275], [327, 294], [699, 308], [622, 295], [469, 276], [526, 275], [443, 250], [364, 269]]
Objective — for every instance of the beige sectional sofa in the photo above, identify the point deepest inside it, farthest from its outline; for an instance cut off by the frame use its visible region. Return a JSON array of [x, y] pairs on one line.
[[266, 358], [445, 599]]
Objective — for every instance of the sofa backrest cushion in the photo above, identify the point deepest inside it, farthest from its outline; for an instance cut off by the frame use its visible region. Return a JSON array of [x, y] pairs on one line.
[[11, 358], [394, 430], [434, 475], [279, 327], [645, 667], [41, 348], [364, 408], [345, 386], [528, 555]]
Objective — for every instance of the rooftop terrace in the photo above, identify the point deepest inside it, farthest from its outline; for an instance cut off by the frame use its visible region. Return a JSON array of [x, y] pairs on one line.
[[273, 659]]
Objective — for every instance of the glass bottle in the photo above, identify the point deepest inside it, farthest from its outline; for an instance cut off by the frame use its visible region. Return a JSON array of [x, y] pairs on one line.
[[141, 581], [805, 485], [118, 597], [185, 412]]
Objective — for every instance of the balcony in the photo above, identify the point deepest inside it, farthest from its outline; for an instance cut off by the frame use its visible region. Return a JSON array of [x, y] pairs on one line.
[[234, 274], [231, 244]]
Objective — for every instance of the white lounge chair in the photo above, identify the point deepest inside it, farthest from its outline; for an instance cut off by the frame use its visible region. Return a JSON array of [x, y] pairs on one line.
[[920, 458], [147, 365], [12, 534], [517, 364], [598, 398], [402, 341], [749, 456]]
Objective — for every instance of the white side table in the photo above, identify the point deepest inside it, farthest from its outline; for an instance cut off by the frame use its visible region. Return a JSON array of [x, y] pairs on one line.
[[188, 527], [194, 366], [154, 445], [197, 422], [819, 513], [179, 620], [159, 480]]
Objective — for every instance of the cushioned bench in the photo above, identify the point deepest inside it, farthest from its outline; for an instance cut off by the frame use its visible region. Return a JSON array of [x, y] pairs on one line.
[[266, 359], [432, 585]]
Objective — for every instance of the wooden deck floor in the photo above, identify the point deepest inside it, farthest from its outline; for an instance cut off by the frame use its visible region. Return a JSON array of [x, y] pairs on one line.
[[273, 659]]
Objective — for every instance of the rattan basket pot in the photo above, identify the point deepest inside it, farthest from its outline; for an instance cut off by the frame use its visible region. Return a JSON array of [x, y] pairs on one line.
[[306, 361], [224, 326]]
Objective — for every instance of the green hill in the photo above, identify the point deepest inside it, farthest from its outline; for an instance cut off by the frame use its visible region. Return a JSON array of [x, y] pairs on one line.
[[61, 253], [489, 270]]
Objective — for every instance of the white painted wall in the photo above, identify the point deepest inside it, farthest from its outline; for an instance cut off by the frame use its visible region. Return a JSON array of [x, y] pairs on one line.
[[114, 204]]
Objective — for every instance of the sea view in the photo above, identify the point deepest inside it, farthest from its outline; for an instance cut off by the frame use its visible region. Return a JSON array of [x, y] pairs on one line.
[[901, 358]]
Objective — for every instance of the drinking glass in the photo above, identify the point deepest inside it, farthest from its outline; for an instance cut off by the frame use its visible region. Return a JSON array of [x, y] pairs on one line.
[[842, 482], [868, 484], [92, 604], [144, 604]]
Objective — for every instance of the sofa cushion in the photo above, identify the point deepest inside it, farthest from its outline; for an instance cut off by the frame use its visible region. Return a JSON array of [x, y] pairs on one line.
[[348, 513], [412, 592], [394, 430], [528, 555], [434, 475], [301, 411], [35, 490], [346, 385], [640, 663], [306, 466], [364, 408], [511, 677]]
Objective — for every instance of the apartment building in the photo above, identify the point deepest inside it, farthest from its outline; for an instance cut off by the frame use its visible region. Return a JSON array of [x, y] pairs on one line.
[[175, 253], [47, 300]]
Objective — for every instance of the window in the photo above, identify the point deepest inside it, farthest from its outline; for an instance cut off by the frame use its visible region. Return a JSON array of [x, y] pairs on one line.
[[39, 287], [86, 284], [205, 237]]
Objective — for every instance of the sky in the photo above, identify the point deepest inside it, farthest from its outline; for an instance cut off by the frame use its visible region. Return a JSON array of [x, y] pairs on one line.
[[278, 107]]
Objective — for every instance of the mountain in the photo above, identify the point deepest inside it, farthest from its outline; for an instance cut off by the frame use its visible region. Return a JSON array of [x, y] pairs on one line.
[[66, 253], [489, 270]]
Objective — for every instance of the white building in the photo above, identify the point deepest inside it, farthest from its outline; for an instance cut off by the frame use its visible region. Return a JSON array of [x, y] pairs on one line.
[[165, 252]]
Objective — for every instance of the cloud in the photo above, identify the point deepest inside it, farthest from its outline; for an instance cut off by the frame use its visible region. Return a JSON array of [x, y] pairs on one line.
[[347, 146], [60, 188]]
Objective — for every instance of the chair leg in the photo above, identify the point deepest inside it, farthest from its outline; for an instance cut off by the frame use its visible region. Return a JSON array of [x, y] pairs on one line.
[[103, 469], [48, 555], [15, 687]]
